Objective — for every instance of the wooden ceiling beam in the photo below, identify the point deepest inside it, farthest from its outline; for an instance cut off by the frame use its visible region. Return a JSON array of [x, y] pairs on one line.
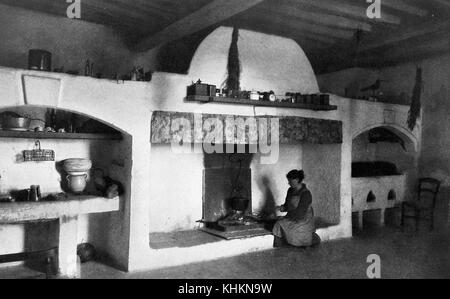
[[345, 9], [208, 15], [403, 6], [445, 3], [91, 14], [319, 18], [153, 6], [296, 25], [112, 10], [312, 40], [342, 56], [401, 35], [410, 52], [321, 38], [139, 6]]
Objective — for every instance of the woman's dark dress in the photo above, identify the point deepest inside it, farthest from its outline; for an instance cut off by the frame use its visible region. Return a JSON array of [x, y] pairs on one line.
[[297, 227]]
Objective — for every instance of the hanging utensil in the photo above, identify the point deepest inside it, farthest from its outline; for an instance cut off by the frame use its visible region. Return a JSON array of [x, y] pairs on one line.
[[38, 154]]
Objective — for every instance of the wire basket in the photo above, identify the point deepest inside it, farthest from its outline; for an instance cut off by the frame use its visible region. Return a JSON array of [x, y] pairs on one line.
[[38, 154]]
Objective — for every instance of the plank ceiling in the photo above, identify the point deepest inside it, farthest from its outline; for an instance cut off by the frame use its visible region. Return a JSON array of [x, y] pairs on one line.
[[335, 34]]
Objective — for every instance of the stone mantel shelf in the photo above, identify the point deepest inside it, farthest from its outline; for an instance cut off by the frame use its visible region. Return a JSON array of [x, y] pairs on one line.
[[53, 135], [43, 210], [225, 100]]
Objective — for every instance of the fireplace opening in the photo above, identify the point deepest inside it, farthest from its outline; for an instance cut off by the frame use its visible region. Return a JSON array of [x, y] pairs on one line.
[[227, 192]]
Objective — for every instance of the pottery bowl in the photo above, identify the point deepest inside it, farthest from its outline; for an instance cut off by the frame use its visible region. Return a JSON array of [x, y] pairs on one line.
[[77, 165]]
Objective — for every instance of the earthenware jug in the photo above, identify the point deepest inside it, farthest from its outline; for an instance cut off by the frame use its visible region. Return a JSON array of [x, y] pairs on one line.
[[77, 183]]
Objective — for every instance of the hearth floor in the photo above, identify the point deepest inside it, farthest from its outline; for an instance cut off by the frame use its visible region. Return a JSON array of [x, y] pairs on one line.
[[190, 238], [186, 238]]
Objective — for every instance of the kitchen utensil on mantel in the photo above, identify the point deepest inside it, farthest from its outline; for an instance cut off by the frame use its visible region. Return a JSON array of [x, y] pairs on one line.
[[38, 154]]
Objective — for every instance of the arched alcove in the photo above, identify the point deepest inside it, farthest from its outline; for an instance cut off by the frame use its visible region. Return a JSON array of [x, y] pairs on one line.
[[384, 160], [402, 132], [108, 147]]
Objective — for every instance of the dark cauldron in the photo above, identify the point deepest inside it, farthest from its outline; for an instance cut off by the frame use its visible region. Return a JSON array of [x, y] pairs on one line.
[[239, 203]]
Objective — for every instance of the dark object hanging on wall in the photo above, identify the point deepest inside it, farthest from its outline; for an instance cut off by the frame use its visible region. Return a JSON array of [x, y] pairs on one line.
[[39, 60], [232, 83], [414, 110]]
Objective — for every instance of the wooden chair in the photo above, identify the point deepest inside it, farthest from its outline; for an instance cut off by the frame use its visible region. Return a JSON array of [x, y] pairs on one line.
[[48, 257], [423, 206]]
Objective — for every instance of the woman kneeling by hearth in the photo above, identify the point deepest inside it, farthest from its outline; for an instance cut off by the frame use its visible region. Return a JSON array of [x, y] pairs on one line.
[[297, 227]]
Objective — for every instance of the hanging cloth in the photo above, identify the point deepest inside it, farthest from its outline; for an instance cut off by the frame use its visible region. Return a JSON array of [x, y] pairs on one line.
[[234, 66], [414, 110]]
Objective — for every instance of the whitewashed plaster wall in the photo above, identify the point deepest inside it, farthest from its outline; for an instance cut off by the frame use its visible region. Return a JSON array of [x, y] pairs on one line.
[[348, 82], [175, 189], [269, 180], [20, 175], [70, 41], [322, 166]]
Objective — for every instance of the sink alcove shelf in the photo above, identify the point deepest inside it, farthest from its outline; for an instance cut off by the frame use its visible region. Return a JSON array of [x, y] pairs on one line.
[[53, 135], [224, 100], [73, 205]]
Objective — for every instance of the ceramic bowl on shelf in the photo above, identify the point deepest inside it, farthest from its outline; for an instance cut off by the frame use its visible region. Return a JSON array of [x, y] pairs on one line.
[[77, 165], [14, 123]]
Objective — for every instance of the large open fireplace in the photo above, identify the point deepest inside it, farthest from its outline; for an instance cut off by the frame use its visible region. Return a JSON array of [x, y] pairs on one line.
[[238, 182]]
